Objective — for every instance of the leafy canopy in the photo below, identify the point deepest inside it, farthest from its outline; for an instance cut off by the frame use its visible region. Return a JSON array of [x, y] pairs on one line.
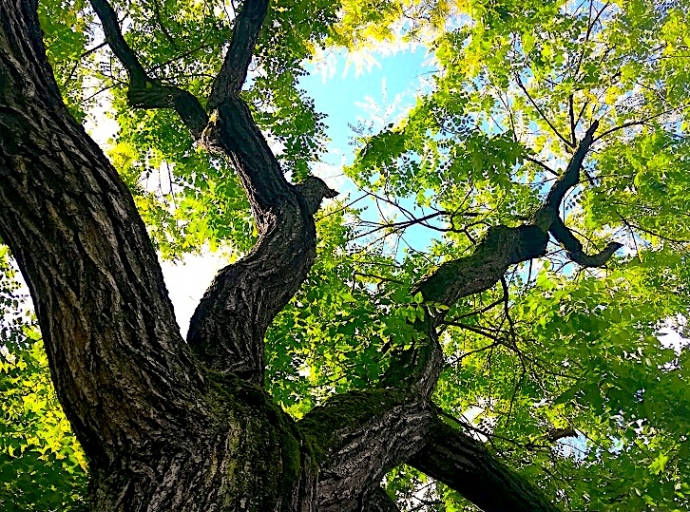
[[560, 369]]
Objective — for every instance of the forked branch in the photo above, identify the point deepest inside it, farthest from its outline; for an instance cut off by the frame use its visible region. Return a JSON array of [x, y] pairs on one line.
[[228, 327], [550, 210], [500, 248]]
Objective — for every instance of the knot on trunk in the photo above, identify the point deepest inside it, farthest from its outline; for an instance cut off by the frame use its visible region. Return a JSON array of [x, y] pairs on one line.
[[313, 190]]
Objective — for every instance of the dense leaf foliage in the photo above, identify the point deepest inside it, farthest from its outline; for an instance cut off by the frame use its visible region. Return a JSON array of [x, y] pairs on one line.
[[42, 466], [562, 370]]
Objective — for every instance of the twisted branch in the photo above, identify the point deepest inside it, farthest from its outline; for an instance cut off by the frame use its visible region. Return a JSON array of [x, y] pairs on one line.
[[143, 91]]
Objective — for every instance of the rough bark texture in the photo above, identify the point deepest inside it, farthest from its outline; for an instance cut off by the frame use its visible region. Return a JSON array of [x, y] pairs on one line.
[[169, 425], [464, 465]]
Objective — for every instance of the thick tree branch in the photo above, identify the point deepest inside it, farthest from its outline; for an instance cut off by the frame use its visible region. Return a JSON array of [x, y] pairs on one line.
[[378, 501], [501, 247], [228, 326], [233, 132], [361, 436], [245, 34], [116, 357], [420, 366], [117, 42], [569, 179], [465, 465], [571, 176], [143, 91]]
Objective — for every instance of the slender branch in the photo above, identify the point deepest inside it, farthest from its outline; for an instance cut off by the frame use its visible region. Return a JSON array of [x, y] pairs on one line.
[[76, 64], [585, 104], [143, 91], [462, 356], [540, 164], [180, 56], [245, 34], [480, 311], [571, 116], [540, 111], [632, 225], [159, 20], [475, 329], [590, 26], [635, 123]]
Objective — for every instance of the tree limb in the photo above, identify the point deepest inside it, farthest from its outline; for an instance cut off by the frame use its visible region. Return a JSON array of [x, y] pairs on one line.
[[501, 247], [116, 357], [229, 324], [571, 176], [228, 327], [144, 92], [245, 34], [464, 464], [556, 226], [561, 233], [420, 366]]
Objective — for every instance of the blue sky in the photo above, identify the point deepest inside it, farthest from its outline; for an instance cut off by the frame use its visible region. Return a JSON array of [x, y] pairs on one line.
[[342, 92]]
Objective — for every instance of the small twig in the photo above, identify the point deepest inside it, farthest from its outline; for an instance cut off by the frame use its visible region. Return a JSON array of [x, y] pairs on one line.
[[541, 112]]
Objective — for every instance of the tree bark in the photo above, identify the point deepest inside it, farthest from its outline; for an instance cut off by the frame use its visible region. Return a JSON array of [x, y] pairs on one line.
[[141, 404], [463, 464]]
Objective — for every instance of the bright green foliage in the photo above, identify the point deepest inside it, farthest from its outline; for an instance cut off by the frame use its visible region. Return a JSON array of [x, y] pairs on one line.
[[42, 466], [560, 369]]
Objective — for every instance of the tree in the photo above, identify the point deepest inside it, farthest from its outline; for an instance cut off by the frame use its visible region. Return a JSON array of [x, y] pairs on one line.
[[551, 154]]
